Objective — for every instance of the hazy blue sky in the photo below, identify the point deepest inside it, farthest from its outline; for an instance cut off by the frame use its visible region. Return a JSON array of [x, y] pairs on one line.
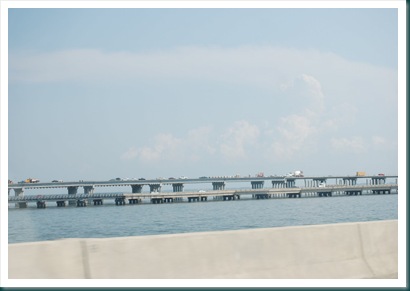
[[96, 94]]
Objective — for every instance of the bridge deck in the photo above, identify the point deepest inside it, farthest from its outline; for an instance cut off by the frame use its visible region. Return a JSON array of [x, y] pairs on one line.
[[175, 195], [183, 181]]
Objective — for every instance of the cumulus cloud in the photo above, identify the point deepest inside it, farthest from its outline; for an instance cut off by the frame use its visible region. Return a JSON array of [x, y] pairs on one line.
[[315, 91], [378, 140], [293, 135], [296, 128], [306, 92], [237, 137], [295, 131], [233, 143], [199, 139], [130, 154], [166, 146], [381, 143], [351, 145], [265, 66], [320, 92]]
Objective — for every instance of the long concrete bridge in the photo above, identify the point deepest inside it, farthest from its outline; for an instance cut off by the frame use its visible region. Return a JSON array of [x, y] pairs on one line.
[[218, 183], [81, 200]]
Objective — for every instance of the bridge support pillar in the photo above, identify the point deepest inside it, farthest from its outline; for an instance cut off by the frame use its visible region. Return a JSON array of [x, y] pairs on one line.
[[81, 203], [88, 190], [378, 181], [293, 195], [41, 204], [350, 181], [290, 183], [382, 191], [218, 185], [21, 205], [136, 188], [72, 190], [157, 200], [178, 187], [353, 192], [155, 187], [98, 201], [257, 184], [262, 196], [60, 203], [317, 182], [324, 194], [20, 192], [278, 184], [120, 201]]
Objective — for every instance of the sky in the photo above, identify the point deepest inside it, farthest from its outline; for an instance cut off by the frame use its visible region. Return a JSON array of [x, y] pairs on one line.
[[95, 94]]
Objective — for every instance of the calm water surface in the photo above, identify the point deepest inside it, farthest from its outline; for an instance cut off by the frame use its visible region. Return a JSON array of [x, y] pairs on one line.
[[32, 224]]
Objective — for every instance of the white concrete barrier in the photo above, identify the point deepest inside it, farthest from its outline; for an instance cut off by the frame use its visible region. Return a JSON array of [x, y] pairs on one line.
[[334, 251]]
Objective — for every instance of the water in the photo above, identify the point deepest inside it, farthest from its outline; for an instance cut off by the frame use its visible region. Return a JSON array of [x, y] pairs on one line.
[[32, 224]]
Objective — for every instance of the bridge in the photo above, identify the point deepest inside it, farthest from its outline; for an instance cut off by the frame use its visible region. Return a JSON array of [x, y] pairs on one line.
[[218, 183], [81, 200]]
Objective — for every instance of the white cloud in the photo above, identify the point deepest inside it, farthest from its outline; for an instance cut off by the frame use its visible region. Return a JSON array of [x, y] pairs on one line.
[[381, 143], [236, 138], [147, 154], [306, 92], [351, 145], [199, 139], [293, 136], [316, 93], [296, 128], [295, 132], [344, 115], [199, 144], [378, 140], [130, 154], [166, 147], [265, 66]]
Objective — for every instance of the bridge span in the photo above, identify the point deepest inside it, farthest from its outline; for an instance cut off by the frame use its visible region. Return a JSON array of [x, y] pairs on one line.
[[218, 183], [82, 200]]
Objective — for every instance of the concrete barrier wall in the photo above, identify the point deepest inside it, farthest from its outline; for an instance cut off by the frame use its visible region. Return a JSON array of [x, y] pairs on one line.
[[334, 251]]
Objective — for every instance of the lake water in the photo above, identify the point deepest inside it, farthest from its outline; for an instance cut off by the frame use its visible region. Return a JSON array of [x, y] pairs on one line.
[[32, 224]]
